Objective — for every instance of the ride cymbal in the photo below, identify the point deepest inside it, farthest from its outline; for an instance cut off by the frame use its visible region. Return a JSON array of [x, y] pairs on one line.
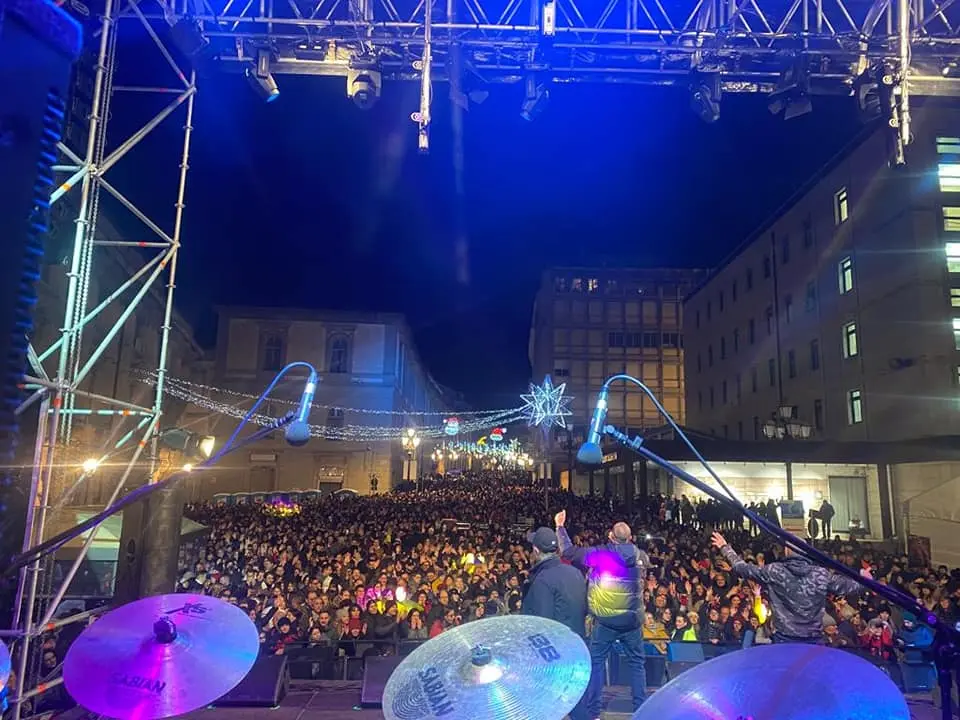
[[500, 668], [783, 681], [160, 656]]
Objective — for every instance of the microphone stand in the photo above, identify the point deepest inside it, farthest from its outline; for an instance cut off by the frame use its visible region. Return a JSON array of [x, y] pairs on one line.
[[946, 644]]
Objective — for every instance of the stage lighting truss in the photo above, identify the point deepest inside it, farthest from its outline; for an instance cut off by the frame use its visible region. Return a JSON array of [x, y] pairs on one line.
[[746, 44]]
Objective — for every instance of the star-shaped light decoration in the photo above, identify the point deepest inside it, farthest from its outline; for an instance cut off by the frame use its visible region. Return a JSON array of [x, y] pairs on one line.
[[546, 405]]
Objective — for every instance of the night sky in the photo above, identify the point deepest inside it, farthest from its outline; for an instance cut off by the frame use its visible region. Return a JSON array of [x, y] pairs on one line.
[[311, 202]]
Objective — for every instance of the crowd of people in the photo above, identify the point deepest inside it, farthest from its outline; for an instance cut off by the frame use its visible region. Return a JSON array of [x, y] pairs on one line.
[[354, 571]]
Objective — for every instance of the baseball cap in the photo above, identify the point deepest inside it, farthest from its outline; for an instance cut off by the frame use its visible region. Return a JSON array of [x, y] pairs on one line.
[[544, 539]]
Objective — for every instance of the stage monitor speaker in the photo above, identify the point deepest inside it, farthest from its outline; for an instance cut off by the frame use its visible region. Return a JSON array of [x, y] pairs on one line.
[[264, 686], [376, 672]]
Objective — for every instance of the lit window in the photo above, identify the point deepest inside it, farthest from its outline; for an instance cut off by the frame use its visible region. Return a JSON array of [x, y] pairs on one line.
[[949, 175], [951, 219], [338, 355], [593, 285], [576, 285], [955, 297], [560, 284], [948, 146], [841, 206], [953, 257], [851, 347], [956, 333], [845, 273], [854, 407]]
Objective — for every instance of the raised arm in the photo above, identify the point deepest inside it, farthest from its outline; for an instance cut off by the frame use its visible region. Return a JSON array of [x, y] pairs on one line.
[[842, 585], [577, 556], [737, 563]]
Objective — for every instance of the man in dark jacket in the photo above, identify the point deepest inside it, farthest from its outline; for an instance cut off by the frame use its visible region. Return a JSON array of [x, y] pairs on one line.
[[615, 575], [797, 588], [555, 591]]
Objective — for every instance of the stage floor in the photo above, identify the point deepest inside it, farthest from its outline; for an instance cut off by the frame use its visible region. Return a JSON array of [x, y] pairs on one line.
[[329, 700]]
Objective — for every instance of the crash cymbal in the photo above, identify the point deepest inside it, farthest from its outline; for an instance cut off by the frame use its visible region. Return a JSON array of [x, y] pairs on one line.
[[782, 681], [4, 664], [160, 656], [500, 668]]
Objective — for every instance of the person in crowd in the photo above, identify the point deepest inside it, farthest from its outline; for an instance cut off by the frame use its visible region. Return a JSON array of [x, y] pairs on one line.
[[615, 575], [555, 591], [798, 590], [826, 518]]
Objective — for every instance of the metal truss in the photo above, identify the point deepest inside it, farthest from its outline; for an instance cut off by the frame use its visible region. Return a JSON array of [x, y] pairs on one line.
[[59, 372]]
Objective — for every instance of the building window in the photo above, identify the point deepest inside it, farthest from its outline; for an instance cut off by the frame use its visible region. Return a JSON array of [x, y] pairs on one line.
[[756, 428], [698, 319], [807, 234], [769, 320], [749, 279], [948, 146], [723, 348], [788, 308], [841, 206], [611, 287], [953, 257], [949, 175], [560, 284], [593, 285], [753, 379], [956, 333], [772, 371], [739, 429], [274, 352], [751, 331], [851, 347], [814, 354], [810, 298], [723, 392], [709, 355], [726, 432], [845, 274], [955, 297], [709, 309], [736, 340], [561, 368], [335, 417], [615, 339], [766, 266], [672, 341], [739, 388], [785, 249], [791, 364], [733, 292], [951, 219], [651, 340], [337, 358], [576, 285], [854, 407], [818, 414]]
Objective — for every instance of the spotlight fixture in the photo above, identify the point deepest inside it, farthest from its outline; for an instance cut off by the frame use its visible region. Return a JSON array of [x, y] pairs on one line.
[[261, 79], [363, 87], [189, 443], [535, 99], [705, 94], [792, 94]]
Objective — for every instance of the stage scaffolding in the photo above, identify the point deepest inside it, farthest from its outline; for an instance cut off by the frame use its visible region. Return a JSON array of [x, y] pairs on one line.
[[58, 373], [886, 49]]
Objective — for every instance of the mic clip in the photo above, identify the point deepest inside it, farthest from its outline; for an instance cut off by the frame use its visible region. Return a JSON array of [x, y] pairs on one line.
[[633, 443]]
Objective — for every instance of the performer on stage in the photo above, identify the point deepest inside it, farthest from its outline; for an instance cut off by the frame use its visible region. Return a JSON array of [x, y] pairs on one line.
[[797, 588], [615, 575]]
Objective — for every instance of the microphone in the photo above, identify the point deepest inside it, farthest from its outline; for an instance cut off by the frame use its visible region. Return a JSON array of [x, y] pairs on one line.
[[298, 432], [590, 452]]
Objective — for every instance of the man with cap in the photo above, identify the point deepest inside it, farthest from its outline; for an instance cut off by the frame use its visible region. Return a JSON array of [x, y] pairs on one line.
[[556, 591]]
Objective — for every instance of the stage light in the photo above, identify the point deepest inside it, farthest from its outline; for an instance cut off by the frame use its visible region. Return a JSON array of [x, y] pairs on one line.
[[188, 467], [705, 94], [90, 465], [363, 87], [206, 445], [189, 443], [792, 94], [261, 79], [535, 99]]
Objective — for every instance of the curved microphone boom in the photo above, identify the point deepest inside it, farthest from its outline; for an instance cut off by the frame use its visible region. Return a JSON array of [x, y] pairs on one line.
[[590, 452], [298, 432]]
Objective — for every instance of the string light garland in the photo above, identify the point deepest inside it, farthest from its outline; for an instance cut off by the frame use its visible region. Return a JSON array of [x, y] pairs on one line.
[[546, 406]]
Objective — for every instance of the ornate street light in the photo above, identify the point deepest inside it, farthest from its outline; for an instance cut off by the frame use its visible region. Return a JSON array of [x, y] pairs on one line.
[[784, 425]]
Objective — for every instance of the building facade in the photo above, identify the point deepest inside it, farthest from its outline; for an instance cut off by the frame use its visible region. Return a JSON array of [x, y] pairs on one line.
[[370, 378], [591, 323], [845, 307]]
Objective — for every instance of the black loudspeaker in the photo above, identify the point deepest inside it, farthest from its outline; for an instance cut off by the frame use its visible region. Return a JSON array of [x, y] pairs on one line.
[[376, 672], [264, 686], [149, 546]]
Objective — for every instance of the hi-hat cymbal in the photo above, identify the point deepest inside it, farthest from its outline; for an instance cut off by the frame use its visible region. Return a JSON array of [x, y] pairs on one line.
[[782, 681], [4, 664], [160, 656], [500, 668]]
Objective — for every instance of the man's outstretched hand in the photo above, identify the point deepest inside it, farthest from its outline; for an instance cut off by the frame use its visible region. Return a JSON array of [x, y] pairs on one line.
[[560, 518], [717, 540]]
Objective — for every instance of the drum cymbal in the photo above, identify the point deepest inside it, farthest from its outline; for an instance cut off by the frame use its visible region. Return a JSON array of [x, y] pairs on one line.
[[160, 656], [500, 668], [782, 681], [4, 664]]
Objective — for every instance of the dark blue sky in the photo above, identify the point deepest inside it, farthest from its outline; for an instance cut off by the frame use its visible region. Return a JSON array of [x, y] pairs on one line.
[[311, 202]]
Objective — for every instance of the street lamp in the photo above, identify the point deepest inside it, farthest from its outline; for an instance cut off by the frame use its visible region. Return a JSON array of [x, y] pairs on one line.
[[410, 441], [90, 465], [783, 424]]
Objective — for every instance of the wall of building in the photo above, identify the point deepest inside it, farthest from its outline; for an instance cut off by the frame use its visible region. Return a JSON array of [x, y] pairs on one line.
[[927, 496], [863, 247]]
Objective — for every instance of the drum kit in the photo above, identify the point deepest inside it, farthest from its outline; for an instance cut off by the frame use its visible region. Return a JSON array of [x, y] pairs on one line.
[[171, 654]]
